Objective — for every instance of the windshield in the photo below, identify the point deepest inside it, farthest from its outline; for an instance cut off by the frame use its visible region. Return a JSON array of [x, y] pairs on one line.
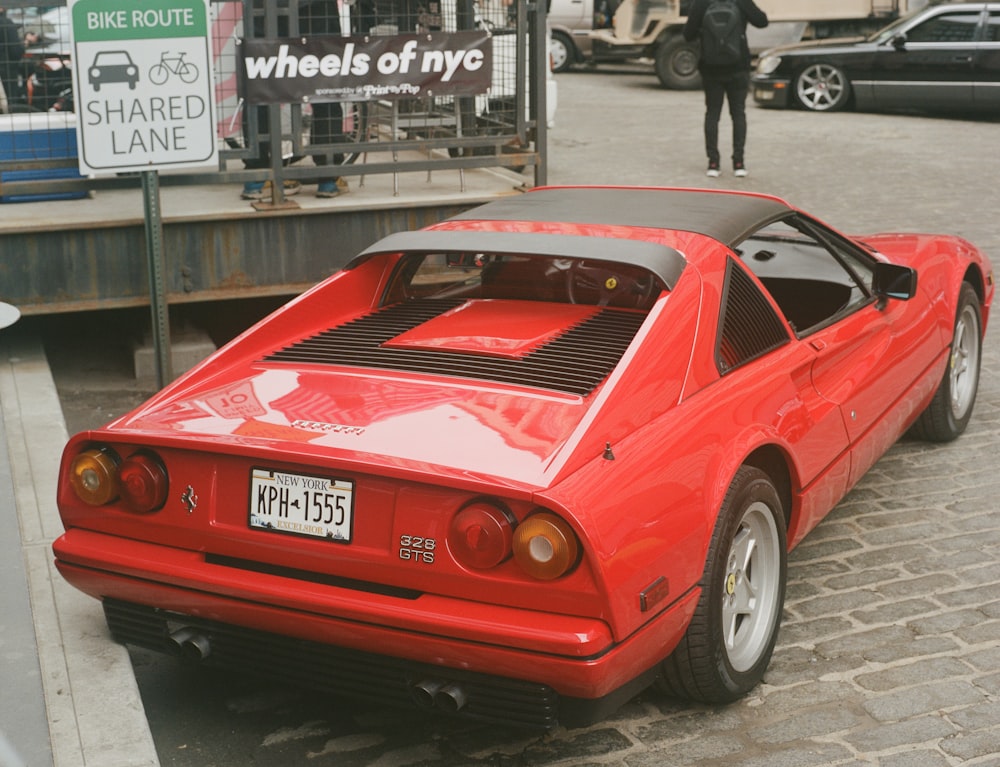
[[112, 59], [886, 34]]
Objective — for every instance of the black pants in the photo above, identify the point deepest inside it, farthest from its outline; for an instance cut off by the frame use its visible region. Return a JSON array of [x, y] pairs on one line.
[[327, 128], [734, 89], [317, 18]]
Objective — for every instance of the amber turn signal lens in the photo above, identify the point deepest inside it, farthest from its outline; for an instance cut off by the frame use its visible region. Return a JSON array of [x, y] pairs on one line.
[[545, 546], [143, 482], [94, 477]]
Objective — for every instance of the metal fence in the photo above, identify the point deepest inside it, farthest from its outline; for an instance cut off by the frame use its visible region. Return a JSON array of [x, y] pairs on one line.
[[377, 129]]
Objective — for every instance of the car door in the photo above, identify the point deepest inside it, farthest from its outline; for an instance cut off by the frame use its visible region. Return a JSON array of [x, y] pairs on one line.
[[930, 64], [986, 80], [864, 359]]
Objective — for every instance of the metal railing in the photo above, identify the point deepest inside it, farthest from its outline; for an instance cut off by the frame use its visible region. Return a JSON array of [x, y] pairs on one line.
[[504, 126]]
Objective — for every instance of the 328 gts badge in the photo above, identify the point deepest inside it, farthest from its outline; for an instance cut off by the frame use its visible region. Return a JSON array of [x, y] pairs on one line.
[[417, 549]]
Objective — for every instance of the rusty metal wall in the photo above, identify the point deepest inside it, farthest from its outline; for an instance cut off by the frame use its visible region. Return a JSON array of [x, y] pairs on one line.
[[47, 272]]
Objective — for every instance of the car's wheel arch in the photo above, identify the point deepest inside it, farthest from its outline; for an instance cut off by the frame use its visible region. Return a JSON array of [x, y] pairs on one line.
[[565, 38], [763, 453], [774, 462], [951, 285], [975, 278]]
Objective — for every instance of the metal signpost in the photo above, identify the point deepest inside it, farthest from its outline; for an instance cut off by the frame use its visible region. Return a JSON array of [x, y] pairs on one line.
[[142, 78]]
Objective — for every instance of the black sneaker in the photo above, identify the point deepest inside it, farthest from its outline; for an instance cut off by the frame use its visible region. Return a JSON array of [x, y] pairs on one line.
[[713, 170], [740, 170]]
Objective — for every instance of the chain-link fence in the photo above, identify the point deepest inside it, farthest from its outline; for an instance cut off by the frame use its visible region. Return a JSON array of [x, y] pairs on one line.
[[307, 91]]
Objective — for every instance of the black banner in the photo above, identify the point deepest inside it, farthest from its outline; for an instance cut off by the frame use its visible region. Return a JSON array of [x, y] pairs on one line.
[[287, 70]]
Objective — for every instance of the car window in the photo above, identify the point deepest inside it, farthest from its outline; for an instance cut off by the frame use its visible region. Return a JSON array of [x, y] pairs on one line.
[[945, 28], [992, 34], [813, 275], [522, 277], [748, 326]]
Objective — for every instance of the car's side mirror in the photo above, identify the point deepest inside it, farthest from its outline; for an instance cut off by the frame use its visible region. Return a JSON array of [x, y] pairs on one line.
[[899, 42], [893, 281]]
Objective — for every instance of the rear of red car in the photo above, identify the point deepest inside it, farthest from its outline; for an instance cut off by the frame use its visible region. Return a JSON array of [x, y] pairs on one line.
[[379, 528]]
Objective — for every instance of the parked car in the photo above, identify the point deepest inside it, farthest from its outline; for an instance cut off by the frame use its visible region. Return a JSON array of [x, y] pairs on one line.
[[522, 464], [572, 22], [945, 57]]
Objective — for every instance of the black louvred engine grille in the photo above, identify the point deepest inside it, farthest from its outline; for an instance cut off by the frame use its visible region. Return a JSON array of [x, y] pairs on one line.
[[574, 362]]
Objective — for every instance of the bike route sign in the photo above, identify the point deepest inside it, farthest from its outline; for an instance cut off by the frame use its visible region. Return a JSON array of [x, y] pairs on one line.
[[142, 76]]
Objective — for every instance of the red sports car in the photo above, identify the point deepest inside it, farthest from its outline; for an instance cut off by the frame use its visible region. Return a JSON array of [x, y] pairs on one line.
[[522, 464]]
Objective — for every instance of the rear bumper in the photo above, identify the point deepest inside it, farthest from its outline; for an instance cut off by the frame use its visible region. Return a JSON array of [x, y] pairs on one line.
[[418, 637], [771, 91], [338, 671]]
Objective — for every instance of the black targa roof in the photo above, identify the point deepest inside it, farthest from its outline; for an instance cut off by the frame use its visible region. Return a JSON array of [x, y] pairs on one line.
[[728, 218]]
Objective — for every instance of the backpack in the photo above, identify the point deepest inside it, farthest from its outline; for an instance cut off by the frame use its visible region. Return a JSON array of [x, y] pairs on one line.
[[722, 31]]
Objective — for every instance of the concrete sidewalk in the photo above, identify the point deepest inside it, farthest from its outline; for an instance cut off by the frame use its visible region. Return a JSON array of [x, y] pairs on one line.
[[69, 695]]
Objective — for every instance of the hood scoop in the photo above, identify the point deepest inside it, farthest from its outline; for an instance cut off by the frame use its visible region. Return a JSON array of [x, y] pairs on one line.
[[563, 347]]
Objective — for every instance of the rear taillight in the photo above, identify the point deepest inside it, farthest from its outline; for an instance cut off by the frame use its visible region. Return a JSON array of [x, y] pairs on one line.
[[545, 546], [480, 535], [143, 482], [99, 476], [485, 534]]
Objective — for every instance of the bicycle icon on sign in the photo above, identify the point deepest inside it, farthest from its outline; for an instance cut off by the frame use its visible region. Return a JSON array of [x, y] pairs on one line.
[[160, 73]]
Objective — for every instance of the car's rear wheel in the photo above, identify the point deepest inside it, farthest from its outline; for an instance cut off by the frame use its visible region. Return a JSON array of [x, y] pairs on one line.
[[676, 64], [822, 88], [562, 51], [729, 643], [951, 408]]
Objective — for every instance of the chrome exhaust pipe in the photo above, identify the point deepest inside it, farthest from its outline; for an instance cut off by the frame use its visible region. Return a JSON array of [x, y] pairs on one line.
[[451, 698], [423, 692], [193, 645]]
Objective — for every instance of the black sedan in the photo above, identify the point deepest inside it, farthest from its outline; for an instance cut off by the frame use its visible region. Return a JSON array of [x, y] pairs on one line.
[[943, 58]]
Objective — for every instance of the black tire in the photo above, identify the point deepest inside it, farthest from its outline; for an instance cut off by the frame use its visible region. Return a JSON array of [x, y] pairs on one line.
[[822, 87], [562, 52], [676, 64], [951, 408], [727, 647]]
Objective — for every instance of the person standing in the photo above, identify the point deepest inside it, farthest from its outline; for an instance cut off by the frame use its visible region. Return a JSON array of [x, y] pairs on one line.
[[322, 17], [724, 64], [11, 58]]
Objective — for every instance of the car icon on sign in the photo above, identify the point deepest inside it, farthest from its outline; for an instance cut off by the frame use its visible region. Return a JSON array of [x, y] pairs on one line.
[[113, 67]]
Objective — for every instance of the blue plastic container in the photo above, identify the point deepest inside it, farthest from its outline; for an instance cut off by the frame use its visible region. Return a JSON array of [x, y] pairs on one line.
[[39, 136]]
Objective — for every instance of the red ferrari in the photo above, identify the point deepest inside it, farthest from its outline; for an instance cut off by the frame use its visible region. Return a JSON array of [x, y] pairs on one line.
[[527, 462]]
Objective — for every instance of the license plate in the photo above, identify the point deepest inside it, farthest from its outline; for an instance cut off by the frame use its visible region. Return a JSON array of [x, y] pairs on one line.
[[301, 504]]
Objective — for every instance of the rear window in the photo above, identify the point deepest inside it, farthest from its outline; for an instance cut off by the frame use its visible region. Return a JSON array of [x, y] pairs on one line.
[[522, 277]]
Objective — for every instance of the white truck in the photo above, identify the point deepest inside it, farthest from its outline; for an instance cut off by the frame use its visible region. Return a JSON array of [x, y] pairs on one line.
[[653, 29]]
